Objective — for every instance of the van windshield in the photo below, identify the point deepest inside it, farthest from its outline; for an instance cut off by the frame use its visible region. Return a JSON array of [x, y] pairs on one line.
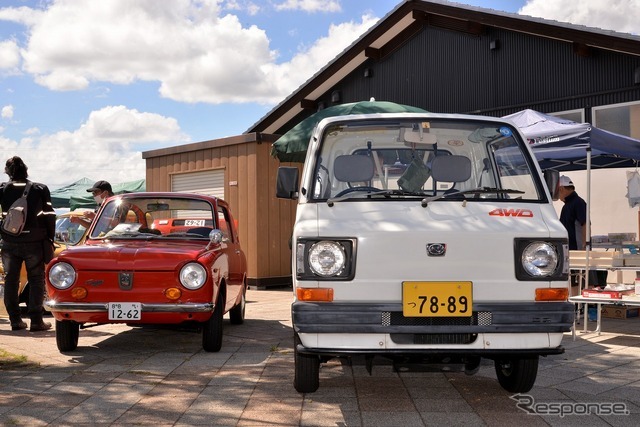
[[392, 160]]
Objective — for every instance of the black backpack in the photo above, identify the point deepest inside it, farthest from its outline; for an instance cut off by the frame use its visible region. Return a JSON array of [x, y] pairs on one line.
[[16, 216]]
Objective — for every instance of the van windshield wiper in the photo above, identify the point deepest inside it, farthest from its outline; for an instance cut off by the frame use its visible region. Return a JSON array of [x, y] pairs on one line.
[[370, 192], [477, 191], [397, 192]]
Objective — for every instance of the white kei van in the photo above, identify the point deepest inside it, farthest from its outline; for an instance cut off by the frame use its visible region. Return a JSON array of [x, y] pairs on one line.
[[426, 238]]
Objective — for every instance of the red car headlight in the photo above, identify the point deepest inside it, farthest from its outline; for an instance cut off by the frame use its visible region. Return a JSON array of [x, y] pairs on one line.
[[62, 275], [193, 276]]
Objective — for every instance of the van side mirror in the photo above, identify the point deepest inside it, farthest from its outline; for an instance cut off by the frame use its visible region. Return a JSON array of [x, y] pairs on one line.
[[552, 179], [287, 182]]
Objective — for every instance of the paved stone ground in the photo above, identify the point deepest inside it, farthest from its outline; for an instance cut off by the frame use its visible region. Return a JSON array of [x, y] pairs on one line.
[[123, 376]]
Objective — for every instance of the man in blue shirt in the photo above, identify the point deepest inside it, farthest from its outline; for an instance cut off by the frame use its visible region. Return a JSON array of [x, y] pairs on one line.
[[573, 214], [574, 218]]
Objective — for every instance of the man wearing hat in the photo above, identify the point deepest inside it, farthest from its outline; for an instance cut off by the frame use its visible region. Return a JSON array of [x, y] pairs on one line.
[[101, 191], [573, 214], [574, 218]]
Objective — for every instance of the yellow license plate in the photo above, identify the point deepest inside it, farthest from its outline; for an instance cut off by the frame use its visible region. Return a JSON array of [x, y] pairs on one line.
[[437, 299]]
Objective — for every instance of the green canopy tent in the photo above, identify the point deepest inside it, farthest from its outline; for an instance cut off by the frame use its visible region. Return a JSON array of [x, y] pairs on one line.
[[75, 195], [85, 200], [292, 146], [60, 197]]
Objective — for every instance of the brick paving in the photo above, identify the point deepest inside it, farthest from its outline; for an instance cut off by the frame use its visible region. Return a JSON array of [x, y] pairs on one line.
[[124, 376]]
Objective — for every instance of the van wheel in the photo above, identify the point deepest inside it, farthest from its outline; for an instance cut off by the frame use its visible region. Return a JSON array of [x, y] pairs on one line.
[[212, 328], [517, 375], [236, 314], [67, 333], [307, 370]]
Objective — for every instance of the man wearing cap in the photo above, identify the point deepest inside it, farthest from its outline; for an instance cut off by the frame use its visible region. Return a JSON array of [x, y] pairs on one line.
[[101, 191], [574, 218], [573, 214]]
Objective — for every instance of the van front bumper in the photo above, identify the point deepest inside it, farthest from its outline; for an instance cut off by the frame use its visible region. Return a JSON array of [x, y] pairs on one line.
[[505, 328], [388, 318]]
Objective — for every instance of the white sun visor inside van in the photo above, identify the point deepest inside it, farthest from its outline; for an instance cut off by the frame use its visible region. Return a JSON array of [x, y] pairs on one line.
[[419, 136]]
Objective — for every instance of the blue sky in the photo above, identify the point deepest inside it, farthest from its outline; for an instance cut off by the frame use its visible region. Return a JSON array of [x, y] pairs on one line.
[[86, 86]]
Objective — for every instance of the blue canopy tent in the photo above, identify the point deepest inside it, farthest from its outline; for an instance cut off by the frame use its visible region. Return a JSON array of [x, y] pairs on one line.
[[565, 145]]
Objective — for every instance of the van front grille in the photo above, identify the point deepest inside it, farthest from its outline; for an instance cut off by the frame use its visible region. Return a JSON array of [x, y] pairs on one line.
[[396, 318], [433, 339]]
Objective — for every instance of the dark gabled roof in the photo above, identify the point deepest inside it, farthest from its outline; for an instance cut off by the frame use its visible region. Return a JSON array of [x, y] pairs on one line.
[[407, 19]]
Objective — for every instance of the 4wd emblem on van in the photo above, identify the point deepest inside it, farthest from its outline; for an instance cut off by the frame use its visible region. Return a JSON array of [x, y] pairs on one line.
[[436, 249], [523, 213]]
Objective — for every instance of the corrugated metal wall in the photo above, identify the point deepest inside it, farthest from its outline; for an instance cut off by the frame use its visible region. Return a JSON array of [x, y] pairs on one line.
[[453, 72]]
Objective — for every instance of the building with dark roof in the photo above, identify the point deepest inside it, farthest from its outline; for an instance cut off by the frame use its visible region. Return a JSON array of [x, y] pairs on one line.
[[436, 55]]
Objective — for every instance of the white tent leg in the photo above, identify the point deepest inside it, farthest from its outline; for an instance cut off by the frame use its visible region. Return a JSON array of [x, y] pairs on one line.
[[588, 242]]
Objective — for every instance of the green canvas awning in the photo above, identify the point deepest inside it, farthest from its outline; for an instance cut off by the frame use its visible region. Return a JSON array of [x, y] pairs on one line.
[[60, 197], [75, 195]]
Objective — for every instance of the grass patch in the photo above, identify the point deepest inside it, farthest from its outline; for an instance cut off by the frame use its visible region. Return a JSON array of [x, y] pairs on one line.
[[12, 361]]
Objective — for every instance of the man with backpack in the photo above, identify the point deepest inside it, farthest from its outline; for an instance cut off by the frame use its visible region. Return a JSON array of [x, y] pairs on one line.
[[31, 245]]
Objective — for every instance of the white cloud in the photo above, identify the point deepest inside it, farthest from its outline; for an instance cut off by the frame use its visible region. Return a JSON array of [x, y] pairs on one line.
[[22, 15], [248, 6], [7, 112], [253, 9], [616, 15], [290, 75], [310, 6], [232, 5], [105, 146], [193, 51], [9, 56]]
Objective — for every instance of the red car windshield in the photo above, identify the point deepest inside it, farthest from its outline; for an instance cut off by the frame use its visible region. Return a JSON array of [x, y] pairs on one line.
[[126, 217]]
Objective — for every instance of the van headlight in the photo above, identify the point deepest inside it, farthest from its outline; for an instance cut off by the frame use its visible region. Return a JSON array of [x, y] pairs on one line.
[[62, 275], [325, 259], [541, 259]]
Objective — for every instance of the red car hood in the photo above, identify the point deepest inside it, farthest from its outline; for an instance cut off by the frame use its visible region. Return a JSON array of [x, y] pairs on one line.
[[134, 255]]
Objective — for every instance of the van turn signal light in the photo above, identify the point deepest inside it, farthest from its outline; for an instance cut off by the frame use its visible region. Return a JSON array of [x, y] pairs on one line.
[[315, 294], [552, 294]]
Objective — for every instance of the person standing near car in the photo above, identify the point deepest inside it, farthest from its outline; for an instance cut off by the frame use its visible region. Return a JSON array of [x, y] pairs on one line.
[[29, 247], [100, 191]]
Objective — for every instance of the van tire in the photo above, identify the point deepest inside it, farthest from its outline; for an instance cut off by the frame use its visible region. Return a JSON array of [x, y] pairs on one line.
[[307, 370], [518, 374], [67, 333]]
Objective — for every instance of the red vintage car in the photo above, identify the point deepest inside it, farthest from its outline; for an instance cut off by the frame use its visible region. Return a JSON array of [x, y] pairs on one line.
[[130, 272]]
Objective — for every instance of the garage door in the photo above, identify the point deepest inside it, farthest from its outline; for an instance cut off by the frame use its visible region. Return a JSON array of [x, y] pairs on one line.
[[210, 182]]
